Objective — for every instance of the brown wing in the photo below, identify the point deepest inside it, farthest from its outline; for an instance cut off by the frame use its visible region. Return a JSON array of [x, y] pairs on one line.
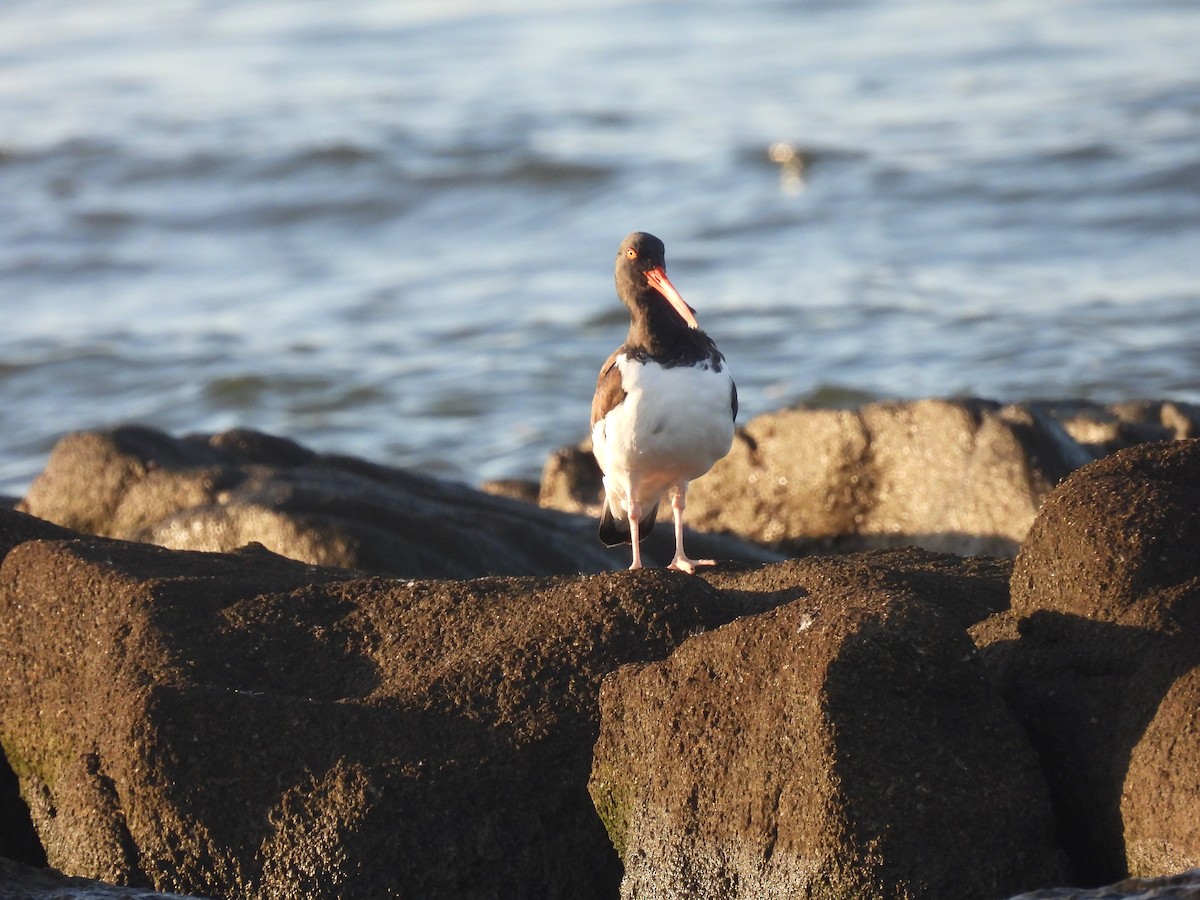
[[609, 391]]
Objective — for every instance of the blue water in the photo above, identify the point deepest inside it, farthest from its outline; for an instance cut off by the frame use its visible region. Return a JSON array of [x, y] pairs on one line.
[[388, 229]]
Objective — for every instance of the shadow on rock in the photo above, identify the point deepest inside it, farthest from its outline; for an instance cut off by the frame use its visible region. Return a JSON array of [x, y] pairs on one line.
[[1099, 656], [1086, 693]]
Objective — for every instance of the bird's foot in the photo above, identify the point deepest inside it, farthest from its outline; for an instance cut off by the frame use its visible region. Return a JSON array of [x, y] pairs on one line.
[[636, 564], [683, 564]]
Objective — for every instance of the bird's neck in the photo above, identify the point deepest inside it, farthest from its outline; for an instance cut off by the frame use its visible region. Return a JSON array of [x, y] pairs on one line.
[[657, 331]]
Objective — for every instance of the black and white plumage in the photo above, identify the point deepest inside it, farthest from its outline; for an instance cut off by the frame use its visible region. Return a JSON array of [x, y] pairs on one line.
[[664, 406]]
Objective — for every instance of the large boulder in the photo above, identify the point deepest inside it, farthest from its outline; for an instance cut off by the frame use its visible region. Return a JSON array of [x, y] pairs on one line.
[[219, 492], [1099, 655], [845, 744], [241, 725], [965, 476]]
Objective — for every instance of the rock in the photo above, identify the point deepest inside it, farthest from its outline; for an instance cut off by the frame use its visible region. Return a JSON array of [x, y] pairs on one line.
[[1183, 886], [516, 488], [845, 744], [572, 481], [245, 725], [17, 528], [1098, 658], [965, 476], [1161, 791], [18, 840], [220, 492], [1102, 430], [21, 882], [1113, 535]]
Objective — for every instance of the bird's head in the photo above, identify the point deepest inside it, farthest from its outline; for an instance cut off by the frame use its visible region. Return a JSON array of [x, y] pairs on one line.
[[642, 263]]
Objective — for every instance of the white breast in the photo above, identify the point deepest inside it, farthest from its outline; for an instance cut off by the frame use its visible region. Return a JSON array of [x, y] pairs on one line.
[[673, 424]]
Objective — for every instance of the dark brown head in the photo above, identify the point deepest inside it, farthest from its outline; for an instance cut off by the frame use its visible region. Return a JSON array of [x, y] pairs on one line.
[[642, 277]]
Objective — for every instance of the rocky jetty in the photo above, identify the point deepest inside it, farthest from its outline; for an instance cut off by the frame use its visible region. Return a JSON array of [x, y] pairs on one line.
[[964, 476], [220, 492], [888, 723]]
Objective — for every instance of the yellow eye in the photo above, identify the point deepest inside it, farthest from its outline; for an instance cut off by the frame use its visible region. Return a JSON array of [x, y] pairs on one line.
[[631, 253]]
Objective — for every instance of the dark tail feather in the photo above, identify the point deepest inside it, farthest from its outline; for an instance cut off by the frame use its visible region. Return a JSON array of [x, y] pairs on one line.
[[614, 531]]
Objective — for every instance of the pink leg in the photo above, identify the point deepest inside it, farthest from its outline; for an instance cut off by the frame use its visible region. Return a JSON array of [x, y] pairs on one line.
[[681, 562], [634, 511]]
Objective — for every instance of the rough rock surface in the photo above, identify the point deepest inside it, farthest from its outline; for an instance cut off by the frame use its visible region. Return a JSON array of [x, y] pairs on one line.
[[1160, 797], [21, 882], [18, 839], [965, 476], [1099, 655], [845, 744], [241, 725], [220, 492]]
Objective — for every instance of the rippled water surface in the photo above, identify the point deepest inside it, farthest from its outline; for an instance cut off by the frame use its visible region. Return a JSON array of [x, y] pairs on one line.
[[388, 229]]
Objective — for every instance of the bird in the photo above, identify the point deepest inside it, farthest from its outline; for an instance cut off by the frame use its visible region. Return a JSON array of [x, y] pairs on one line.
[[664, 408]]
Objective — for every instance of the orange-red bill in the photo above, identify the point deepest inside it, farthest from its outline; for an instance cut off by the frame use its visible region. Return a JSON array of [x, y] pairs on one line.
[[660, 282]]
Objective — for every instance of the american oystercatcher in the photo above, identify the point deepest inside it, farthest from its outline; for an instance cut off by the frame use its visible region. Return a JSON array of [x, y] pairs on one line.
[[664, 407]]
